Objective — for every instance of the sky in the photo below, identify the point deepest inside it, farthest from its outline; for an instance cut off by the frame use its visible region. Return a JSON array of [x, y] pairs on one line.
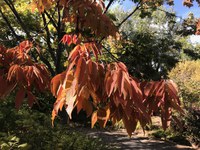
[[181, 11]]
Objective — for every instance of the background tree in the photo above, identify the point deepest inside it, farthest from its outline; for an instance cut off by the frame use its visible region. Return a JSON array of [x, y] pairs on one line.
[[151, 46]]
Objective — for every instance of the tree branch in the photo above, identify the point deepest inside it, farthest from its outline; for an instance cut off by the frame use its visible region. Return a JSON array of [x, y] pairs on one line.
[[51, 18], [48, 64], [48, 38], [11, 6], [58, 51], [113, 57], [108, 6], [125, 19], [9, 26]]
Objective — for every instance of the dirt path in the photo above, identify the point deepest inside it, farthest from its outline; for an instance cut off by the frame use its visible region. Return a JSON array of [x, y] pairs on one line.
[[139, 141]]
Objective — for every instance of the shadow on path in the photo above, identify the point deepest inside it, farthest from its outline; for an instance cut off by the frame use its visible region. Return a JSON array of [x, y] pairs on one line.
[[120, 140]]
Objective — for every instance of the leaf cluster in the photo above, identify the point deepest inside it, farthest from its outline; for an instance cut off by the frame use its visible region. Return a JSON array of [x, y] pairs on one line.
[[18, 71], [109, 92]]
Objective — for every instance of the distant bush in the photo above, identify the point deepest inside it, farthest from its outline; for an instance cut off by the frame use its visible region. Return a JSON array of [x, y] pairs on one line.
[[187, 76]]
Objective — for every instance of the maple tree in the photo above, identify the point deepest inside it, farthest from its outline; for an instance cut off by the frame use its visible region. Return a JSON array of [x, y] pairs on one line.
[[106, 91]]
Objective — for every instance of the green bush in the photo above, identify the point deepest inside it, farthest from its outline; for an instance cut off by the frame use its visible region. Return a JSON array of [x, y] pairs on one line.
[[187, 76], [171, 135], [192, 125], [31, 129]]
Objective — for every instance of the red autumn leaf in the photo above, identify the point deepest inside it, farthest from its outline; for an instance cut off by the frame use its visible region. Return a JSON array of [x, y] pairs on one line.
[[75, 39], [198, 26], [81, 71], [188, 3], [69, 102], [95, 78], [166, 115], [74, 53], [41, 5], [103, 115], [56, 83], [87, 106], [67, 39], [25, 46], [84, 50], [130, 124], [93, 119], [20, 70], [164, 95], [120, 82]]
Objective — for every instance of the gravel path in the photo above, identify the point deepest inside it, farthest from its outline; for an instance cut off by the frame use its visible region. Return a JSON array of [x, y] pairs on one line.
[[120, 140]]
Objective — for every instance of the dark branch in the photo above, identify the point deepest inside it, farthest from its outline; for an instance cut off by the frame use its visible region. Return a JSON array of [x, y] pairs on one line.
[[125, 19], [51, 19], [48, 64], [58, 51], [113, 57], [11, 6], [108, 6], [48, 38], [9, 26]]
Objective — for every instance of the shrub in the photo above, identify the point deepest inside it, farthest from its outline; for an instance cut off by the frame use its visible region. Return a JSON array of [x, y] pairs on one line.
[[171, 135], [187, 76], [192, 125], [31, 129]]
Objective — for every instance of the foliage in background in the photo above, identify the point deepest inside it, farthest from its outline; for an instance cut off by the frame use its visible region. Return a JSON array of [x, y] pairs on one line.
[[149, 47], [187, 75], [171, 135], [190, 130], [31, 129], [192, 126]]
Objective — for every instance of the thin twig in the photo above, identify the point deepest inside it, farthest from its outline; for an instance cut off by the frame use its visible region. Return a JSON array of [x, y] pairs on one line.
[[125, 19], [51, 19], [58, 51], [10, 27], [108, 6], [113, 56], [12, 7], [48, 38]]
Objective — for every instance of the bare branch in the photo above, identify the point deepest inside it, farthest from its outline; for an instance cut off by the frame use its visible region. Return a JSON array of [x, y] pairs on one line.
[[11, 6], [51, 18], [108, 6], [125, 19], [58, 51], [48, 38], [113, 57], [48, 64], [9, 26]]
